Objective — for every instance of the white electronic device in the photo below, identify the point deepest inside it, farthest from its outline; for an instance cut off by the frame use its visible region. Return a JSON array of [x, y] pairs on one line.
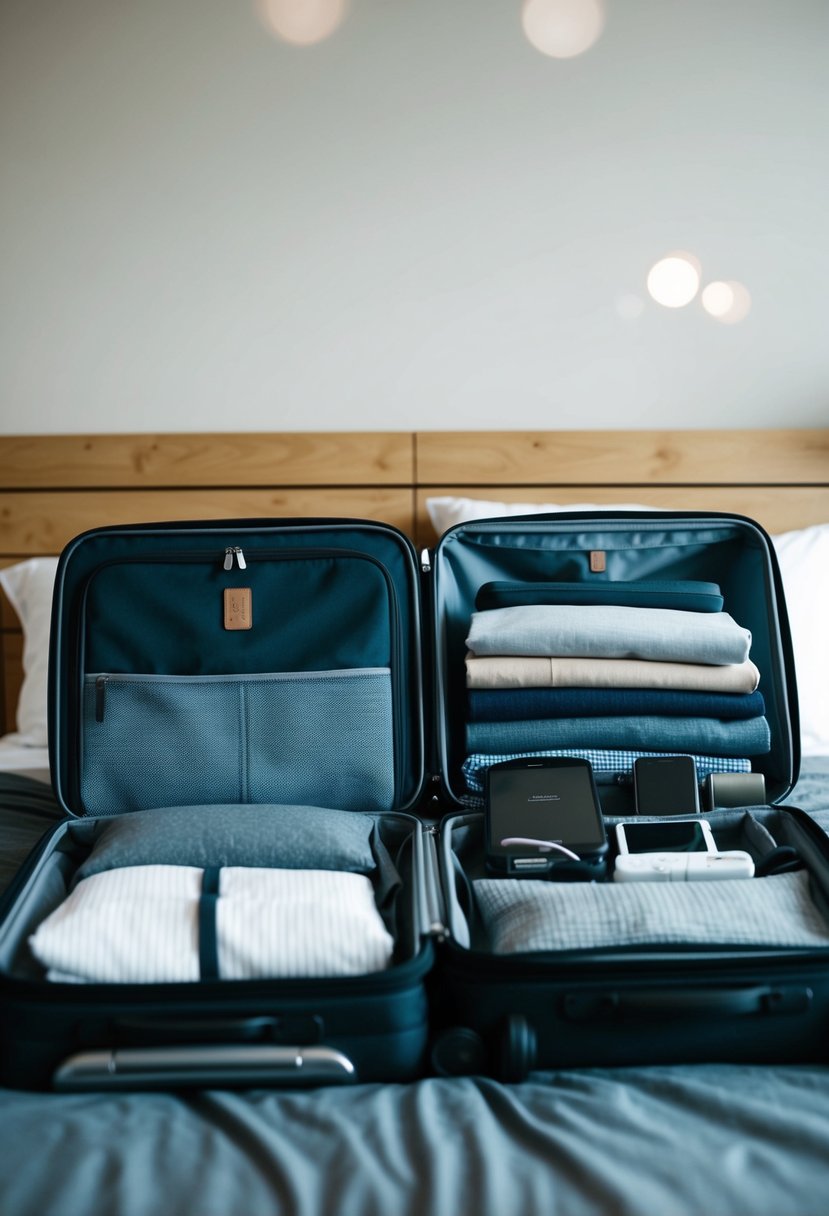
[[675, 850], [683, 867]]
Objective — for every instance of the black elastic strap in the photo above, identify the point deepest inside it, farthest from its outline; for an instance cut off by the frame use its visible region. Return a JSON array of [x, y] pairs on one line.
[[208, 937]]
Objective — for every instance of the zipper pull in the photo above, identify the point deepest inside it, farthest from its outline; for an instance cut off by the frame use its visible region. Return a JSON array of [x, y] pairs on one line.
[[234, 554], [100, 697], [425, 561]]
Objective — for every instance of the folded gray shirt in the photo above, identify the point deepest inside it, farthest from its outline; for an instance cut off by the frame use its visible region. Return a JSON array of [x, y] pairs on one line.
[[288, 837], [611, 631]]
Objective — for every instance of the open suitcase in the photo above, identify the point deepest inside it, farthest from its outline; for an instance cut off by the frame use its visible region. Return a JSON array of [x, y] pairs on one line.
[[620, 1003], [263, 663], [248, 664]]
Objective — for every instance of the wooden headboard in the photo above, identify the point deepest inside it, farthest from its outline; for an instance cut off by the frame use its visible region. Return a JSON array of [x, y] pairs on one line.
[[56, 486]]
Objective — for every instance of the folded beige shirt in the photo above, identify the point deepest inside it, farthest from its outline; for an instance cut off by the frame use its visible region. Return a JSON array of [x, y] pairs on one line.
[[518, 671]]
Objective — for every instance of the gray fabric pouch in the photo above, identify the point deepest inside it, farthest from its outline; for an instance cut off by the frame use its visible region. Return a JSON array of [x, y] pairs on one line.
[[284, 836], [530, 915]]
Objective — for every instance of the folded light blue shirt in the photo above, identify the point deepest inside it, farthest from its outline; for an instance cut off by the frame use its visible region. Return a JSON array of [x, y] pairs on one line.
[[610, 631]]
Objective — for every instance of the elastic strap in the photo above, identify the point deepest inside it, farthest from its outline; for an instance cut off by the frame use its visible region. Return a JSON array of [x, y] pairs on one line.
[[208, 936]]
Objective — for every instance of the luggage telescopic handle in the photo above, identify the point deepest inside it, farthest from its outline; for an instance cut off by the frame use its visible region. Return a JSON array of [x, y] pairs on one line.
[[180, 1067], [685, 1002]]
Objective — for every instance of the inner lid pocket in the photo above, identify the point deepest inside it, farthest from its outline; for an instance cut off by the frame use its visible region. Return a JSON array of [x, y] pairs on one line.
[[321, 737]]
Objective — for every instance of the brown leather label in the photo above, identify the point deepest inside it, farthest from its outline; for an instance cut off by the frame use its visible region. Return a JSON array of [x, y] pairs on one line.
[[238, 608], [598, 561]]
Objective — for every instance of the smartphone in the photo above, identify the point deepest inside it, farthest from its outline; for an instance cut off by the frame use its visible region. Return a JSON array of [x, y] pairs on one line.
[[665, 785], [543, 819], [665, 836]]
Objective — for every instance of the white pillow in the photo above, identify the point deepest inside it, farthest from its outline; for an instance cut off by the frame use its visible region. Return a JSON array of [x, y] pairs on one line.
[[804, 565], [446, 512], [29, 587]]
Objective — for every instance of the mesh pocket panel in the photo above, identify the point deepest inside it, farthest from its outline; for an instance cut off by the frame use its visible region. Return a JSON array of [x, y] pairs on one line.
[[330, 734], [316, 738]]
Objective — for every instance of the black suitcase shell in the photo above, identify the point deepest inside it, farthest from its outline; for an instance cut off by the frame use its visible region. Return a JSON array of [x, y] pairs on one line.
[[149, 599], [506, 1014]]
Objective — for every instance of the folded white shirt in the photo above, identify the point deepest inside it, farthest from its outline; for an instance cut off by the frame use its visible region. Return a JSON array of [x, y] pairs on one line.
[[140, 924]]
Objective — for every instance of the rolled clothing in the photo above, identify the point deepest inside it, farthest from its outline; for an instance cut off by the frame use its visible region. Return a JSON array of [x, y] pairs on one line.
[[603, 760], [516, 704], [611, 631], [548, 671], [140, 925], [709, 736]]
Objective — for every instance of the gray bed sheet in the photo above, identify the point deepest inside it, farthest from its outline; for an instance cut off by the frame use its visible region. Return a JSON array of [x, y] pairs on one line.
[[719, 1140]]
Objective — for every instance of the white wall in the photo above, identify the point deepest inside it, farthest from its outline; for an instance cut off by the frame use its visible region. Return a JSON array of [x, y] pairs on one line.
[[421, 221]]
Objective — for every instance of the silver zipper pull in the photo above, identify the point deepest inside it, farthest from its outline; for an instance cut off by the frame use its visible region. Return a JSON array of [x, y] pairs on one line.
[[100, 697], [228, 558], [425, 561], [240, 558]]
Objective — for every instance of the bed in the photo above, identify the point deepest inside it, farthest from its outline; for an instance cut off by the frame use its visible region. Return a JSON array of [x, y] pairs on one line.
[[713, 1138]]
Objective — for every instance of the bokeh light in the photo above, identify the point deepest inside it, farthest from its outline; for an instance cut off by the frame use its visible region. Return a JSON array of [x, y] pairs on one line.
[[674, 280], [728, 302], [302, 22], [562, 28], [630, 306]]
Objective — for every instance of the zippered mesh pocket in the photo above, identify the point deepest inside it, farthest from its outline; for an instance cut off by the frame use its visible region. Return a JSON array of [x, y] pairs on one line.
[[304, 737]]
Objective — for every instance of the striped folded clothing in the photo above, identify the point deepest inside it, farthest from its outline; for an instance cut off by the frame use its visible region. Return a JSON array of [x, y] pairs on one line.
[[519, 704], [609, 631], [147, 924], [708, 736], [776, 911], [548, 671], [616, 762]]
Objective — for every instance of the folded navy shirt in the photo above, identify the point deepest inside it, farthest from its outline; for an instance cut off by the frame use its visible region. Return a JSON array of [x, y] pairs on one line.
[[516, 704]]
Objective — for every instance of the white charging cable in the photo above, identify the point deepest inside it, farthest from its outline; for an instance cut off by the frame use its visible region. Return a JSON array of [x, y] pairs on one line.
[[544, 846]]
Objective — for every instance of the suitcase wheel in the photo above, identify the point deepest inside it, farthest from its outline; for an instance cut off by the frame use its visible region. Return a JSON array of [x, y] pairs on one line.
[[459, 1052], [517, 1050]]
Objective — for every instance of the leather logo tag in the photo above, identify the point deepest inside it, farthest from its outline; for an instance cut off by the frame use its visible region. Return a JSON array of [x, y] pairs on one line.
[[238, 608], [598, 562]]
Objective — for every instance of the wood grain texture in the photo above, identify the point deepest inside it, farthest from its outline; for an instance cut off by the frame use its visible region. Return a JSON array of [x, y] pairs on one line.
[[54, 487], [42, 522], [777, 508], [110, 461], [728, 457]]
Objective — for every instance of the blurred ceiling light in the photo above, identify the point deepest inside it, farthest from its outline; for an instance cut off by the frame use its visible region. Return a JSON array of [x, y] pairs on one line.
[[729, 302], [674, 281], [562, 28], [302, 22], [630, 307]]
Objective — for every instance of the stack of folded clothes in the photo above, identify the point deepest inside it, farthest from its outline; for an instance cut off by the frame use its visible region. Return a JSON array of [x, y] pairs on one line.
[[611, 682]]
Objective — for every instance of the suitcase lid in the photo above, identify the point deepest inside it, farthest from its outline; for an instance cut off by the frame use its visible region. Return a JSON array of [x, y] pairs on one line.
[[227, 660], [597, 550]]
